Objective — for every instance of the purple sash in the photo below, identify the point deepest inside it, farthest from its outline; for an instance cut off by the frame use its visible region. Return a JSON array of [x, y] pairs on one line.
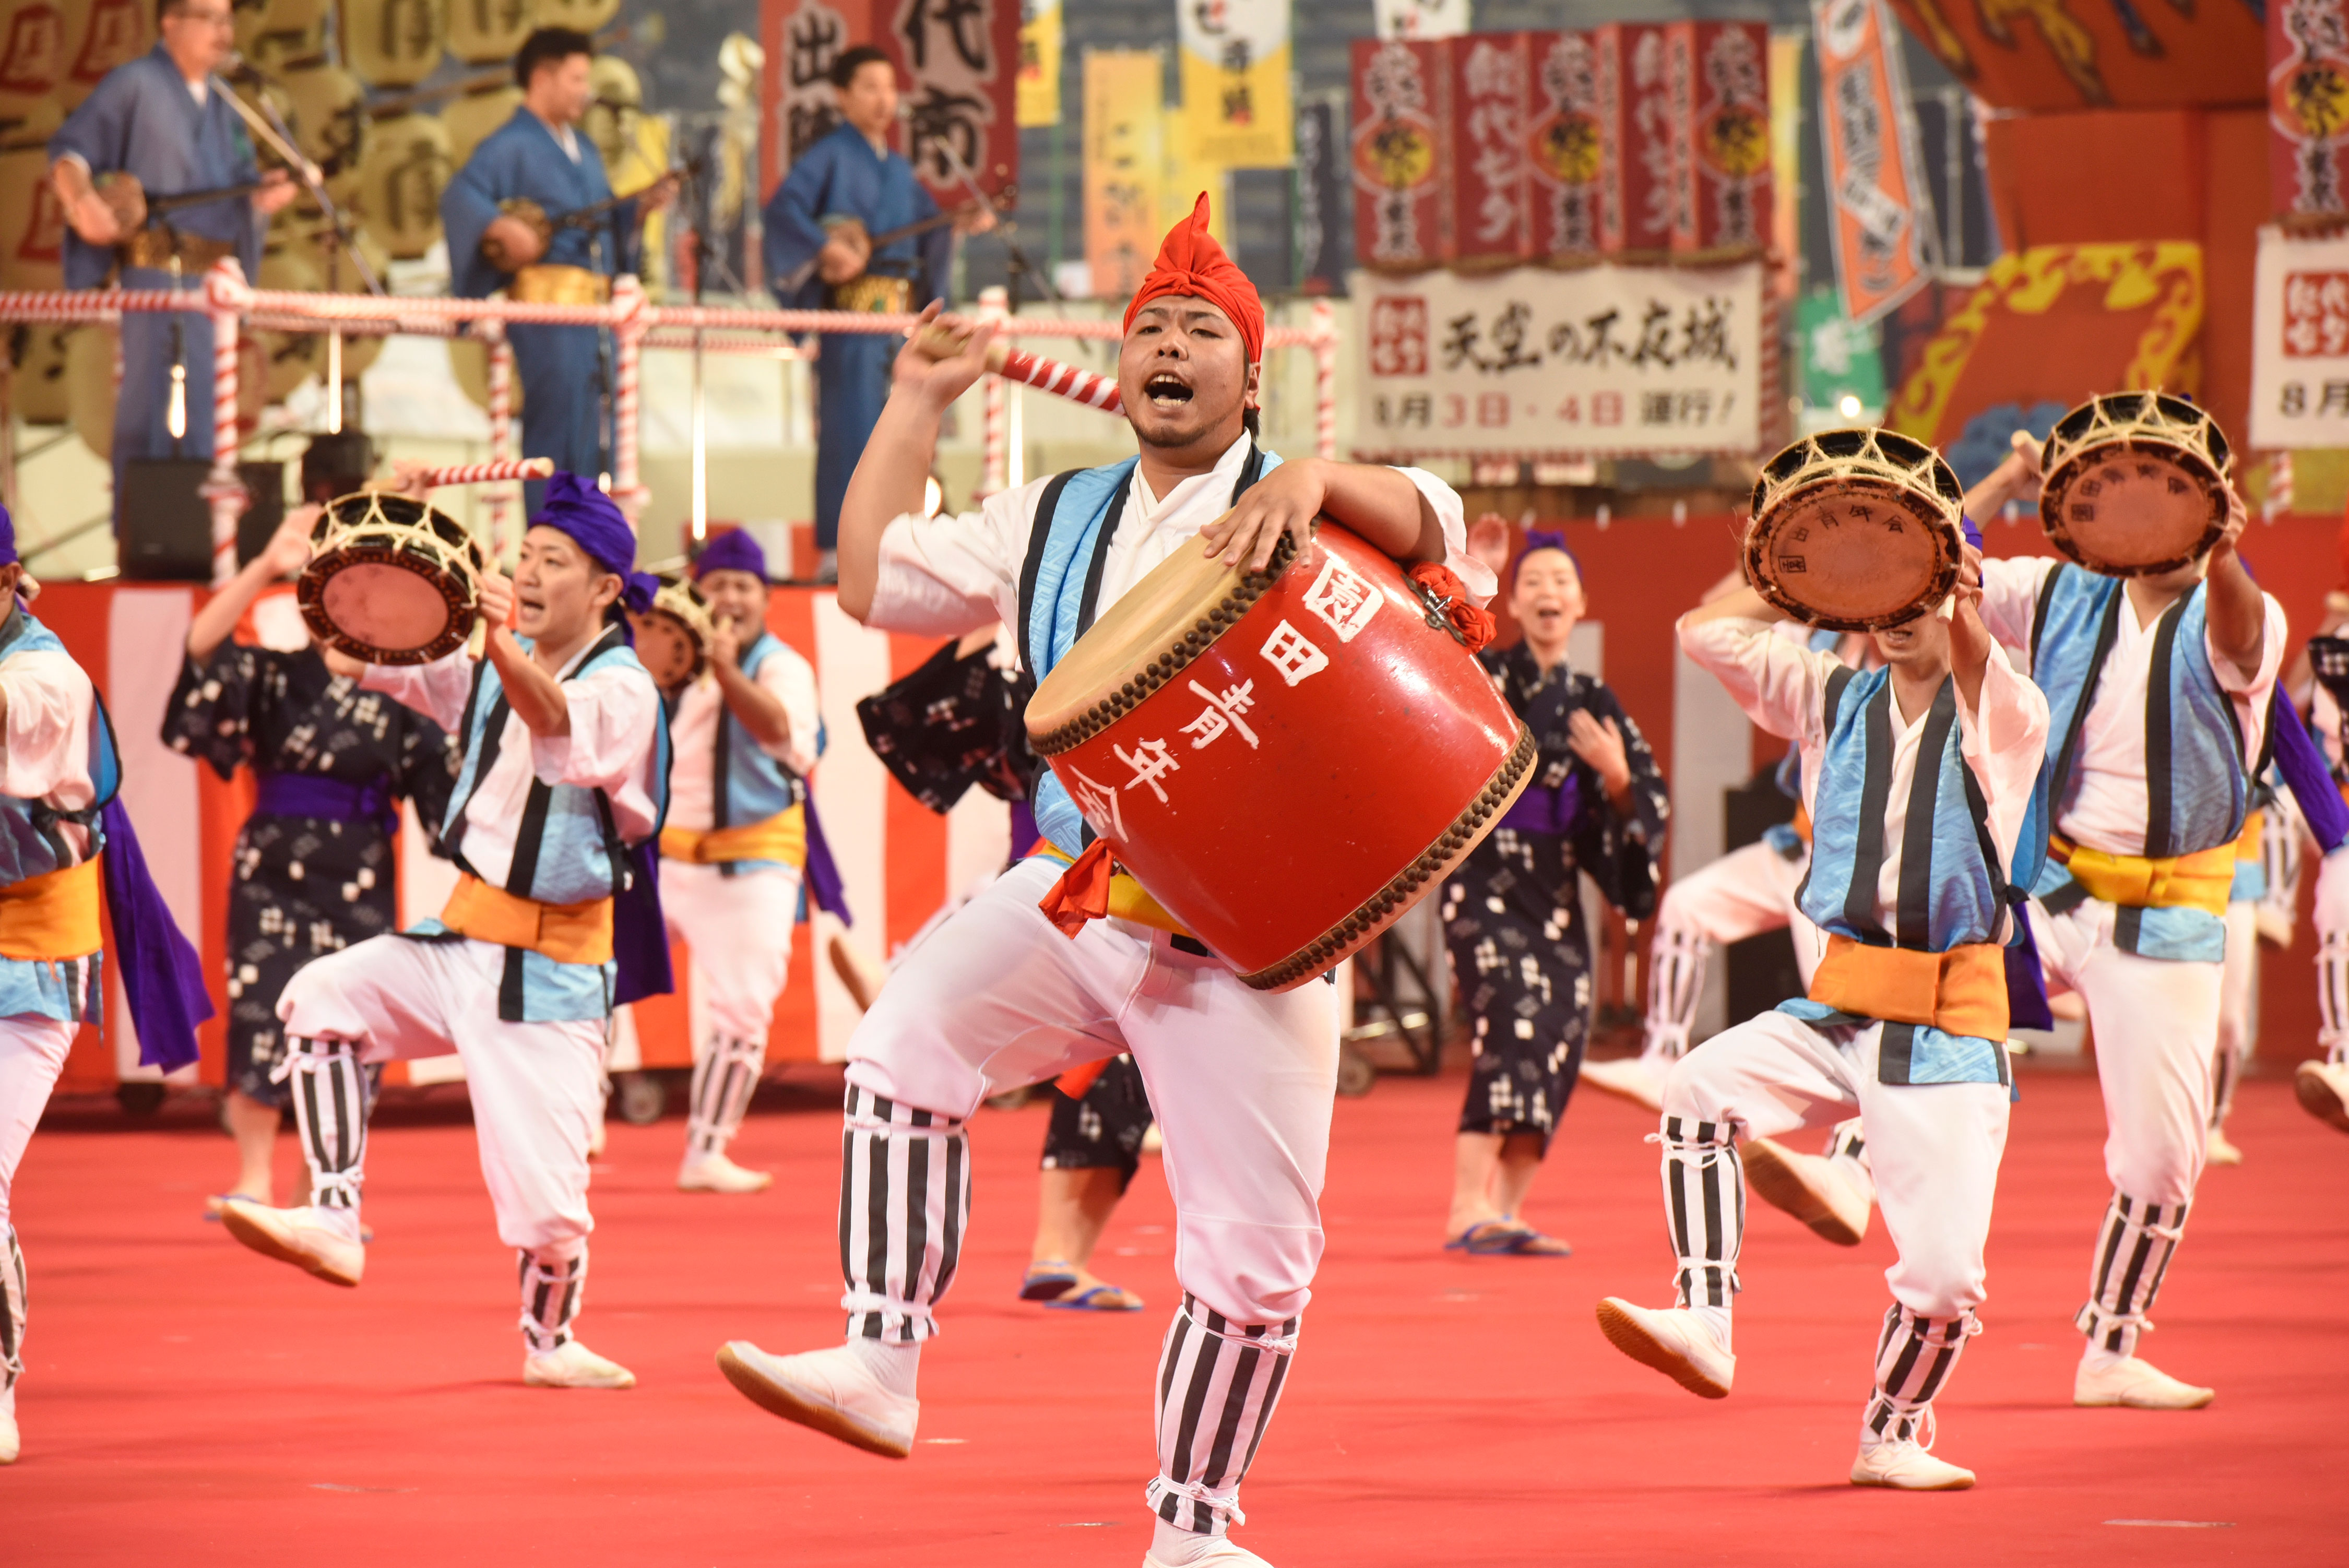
[[1541, 811], [823, 883], [162, 975], [333, 800], [639, 933], [2310, 781]]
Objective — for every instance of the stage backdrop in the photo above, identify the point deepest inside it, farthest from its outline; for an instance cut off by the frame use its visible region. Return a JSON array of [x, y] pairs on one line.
[[900, 861]]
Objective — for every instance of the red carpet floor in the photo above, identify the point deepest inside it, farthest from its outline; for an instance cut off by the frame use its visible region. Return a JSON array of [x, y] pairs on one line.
[[189, 1403]]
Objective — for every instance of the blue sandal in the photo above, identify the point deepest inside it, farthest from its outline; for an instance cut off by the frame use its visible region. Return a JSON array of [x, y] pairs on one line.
[[1088, 1301], [1048, 1280]]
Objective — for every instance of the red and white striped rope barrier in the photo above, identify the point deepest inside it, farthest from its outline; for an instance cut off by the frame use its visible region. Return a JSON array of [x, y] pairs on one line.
[[995, 411], [633, 314], [224, 296], [500, 376], [487, 473]]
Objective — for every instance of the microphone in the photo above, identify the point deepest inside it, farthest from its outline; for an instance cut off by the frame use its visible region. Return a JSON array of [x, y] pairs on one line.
[[237, 68]]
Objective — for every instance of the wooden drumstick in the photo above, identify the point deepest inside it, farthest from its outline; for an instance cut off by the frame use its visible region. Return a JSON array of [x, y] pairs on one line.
[[486, 473], [941, 341]]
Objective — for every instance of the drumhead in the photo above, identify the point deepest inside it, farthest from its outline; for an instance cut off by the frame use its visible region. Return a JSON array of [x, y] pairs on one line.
[[670, 654], [2136, 483], [1855, 529], [1185, 603], [389, 608]]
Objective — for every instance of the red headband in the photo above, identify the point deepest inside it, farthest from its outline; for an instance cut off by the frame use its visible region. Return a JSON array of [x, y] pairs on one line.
[[1191, 262]]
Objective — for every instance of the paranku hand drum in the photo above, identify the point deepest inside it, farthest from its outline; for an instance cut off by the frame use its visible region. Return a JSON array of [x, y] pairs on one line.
[[391, 580], [1855, 529], [2136, 483], [1285, 761], [673, 635]]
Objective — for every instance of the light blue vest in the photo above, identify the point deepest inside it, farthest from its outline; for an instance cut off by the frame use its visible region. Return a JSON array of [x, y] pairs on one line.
[[1952, 893], [32, 845], [1059, 589], [746, 785], [2197, 790], [566, 848]]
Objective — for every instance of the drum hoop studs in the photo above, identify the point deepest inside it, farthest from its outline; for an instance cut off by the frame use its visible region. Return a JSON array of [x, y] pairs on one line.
[[1385, 907], [1169, 661]]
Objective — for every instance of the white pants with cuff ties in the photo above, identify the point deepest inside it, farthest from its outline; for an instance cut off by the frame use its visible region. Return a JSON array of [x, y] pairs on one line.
[[1242, 1083], [33, 1052], [738, 930], [2156, 1027], [536, 1091], [1935, 1151]]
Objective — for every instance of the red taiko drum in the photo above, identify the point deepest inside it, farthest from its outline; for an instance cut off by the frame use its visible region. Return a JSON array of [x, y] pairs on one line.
[[1285, 760]]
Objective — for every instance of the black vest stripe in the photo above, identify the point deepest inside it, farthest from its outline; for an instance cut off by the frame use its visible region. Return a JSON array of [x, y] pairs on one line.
[[2106, 631], [1047, 508], [1916, 908], [2160, 836], [1875, 794]]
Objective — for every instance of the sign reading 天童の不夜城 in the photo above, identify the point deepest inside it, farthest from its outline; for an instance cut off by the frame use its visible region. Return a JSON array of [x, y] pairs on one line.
[[1604, 361]]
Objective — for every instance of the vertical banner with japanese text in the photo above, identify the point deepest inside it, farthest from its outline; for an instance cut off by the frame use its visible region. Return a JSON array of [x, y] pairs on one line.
[[1322, 251], [2308, 108], [801, 39], [1884, 240], [1234, 76], [1490, 83], [1635, 141], [1566, 164], [1040, 63], [1606, 360], [1124, 165], [1786, 155], [961, 110], [1400, 152], [1725, 141]]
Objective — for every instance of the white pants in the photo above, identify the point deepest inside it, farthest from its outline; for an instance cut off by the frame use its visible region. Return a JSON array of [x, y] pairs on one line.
[[738, 930], [1935, 1147], [2332, 921], [2157, 1024], [1242, 1084], [2238, 982], [1242, 1081], [536, 1089], [32, 1053], [1744, 893]]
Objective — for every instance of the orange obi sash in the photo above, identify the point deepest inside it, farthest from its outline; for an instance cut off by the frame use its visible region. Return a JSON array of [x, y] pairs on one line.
[[1960, 992], [566, 932], [782, 836], [1802, 822], [2247, 848], [1117, 896], [51, 916], [2203, 880]]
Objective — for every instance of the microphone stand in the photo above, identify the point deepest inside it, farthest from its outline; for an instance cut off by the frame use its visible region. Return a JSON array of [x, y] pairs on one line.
[[1021, 264]]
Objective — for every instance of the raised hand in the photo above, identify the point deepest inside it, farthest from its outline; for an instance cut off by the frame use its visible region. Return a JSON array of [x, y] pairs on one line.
[[938, 366], [1285, 500]]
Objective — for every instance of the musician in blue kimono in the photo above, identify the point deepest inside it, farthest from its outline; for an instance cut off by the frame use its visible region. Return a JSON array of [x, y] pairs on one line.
[[541, 157], [818, 259], [165, 120]]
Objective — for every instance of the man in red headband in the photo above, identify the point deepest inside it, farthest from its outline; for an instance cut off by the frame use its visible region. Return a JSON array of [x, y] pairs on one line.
[[998, 996]]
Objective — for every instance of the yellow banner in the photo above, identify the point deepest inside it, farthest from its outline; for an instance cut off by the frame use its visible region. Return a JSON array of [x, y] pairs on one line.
[[1038, 86], [1125, 165], [1237, 106], [1787, 153]]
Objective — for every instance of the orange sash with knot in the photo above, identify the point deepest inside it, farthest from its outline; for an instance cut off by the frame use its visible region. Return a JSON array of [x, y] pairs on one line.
[[2202, 880], [566, 932], [782, 836], [1960, 992], [2247, 848], [51, 916], [1092, 888]]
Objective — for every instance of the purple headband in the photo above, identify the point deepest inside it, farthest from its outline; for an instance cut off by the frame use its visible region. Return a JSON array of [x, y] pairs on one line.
[[1543, 539], [733, 551], [577, 507]]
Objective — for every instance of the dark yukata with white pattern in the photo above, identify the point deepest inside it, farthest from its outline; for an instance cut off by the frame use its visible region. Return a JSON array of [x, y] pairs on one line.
[[303, 886], [1512, 911]]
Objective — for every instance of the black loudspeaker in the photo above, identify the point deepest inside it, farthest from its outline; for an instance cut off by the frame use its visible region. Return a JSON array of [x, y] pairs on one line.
[[163, 526], [336, 465]]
